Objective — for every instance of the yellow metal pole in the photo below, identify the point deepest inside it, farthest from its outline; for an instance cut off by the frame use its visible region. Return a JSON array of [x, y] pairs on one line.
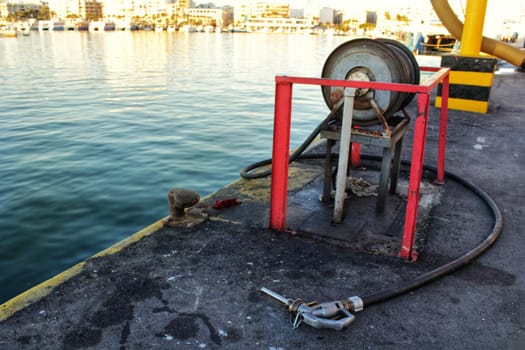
[[473, 28]]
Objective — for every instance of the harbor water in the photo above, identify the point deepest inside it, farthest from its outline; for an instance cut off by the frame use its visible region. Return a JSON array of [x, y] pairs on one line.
[[95, 128]]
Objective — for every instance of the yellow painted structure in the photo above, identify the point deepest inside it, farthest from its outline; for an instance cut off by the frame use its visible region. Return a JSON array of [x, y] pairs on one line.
[[471, 78], [473, 28], [480, 80], [494, 47], [471, 74], [462, 104]]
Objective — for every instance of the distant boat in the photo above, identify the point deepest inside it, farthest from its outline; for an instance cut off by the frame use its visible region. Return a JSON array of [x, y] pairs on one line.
[[58, 26], [188, 29], [239, 30], [8, 32], [45, 25], [96, 26], [159, 28], [122, 26], [109, 26], [81, 26], [24, 29], [235, 29], [69, 26], [171, 28]]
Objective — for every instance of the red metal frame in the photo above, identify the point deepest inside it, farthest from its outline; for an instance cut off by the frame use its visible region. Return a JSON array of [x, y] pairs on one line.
[[281, 142]]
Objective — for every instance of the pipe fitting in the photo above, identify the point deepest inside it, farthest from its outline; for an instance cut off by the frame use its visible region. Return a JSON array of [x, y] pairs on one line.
[[357, 303]]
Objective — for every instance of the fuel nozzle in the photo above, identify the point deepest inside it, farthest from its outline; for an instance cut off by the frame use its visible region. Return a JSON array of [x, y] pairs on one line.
[[334, 314]]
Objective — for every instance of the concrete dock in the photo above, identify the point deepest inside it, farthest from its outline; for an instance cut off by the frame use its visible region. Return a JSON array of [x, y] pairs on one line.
[[198, 286]]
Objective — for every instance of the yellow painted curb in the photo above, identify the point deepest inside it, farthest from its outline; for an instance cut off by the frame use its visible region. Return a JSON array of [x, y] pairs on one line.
[[131, 239], [39, 291], [34, 294]]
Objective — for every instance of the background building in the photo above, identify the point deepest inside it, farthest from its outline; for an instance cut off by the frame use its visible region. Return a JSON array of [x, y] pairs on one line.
[[205, 16], [326, 15]]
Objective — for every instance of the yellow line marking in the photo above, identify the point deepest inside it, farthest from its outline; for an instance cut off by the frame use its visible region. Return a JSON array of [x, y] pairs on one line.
[[39, 291]]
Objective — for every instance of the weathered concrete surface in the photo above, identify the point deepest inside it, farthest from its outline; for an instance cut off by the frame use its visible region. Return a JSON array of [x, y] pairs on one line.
[[198, 287]]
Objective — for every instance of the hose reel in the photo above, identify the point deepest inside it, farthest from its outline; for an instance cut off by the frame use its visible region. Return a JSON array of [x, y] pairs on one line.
[[382, 60]]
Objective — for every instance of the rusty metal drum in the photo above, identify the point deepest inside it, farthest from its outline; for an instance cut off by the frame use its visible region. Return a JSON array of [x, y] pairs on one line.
[[380, 60]]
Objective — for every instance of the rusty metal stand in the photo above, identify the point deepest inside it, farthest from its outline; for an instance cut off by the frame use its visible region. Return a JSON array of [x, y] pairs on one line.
[[344, 151], [281, 142], [390, 142]]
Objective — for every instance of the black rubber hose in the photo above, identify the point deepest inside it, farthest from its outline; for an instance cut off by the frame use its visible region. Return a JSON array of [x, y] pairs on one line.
[[454, 264], [444, 269], [245, 172], [429, 276]]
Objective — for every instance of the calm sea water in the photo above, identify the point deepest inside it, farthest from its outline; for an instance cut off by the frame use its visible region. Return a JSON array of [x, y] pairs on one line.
[[95, 128]]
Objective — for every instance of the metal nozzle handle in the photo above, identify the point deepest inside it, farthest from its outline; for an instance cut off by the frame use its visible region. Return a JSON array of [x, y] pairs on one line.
[[274, 295]]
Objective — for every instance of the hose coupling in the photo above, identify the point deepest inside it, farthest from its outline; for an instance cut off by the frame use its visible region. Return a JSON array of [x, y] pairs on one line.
[[356, 303]]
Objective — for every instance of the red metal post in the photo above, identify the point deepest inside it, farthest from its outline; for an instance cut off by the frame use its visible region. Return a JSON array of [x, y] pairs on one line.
[[442, 131], [281, 144], [416, 172], [280, 154]]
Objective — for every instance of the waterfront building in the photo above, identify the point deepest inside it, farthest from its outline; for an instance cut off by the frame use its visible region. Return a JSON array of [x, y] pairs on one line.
[[259, 9], [326, 15], [93, 10], [73, 8], [176, 10], [391, 17], [241, 13], [297, 13], [9, 9], [279, 24], [205, 16], [117, 10], [266, 9]]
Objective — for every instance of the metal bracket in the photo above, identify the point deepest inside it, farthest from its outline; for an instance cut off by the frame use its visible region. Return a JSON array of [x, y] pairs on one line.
[[380, 116], [344, 151]]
